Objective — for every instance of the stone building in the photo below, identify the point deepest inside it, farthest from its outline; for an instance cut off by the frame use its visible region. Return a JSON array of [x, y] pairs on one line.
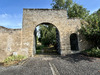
[[22, 41]]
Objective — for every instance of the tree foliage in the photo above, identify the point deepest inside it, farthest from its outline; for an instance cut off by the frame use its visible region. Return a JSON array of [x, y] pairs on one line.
[[74, 10], [77, 11], [98, 14], [92, 30], [62, 4], [47, 35]]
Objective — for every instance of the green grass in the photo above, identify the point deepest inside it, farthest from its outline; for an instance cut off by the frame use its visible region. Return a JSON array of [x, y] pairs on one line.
[[12, 59], [38, 51], [39, 47], [46, 49]]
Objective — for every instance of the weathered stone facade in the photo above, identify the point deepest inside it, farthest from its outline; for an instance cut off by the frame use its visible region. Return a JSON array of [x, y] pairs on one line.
[[23, 41], [10, 41]]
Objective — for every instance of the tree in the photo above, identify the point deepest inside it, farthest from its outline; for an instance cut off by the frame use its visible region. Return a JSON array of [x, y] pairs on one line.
[[92, 30], [98, 14], [74, 10], [77, 11], [62, 4], [47, 35]]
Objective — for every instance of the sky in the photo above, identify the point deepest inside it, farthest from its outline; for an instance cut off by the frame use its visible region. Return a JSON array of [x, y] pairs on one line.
[[11, 11]]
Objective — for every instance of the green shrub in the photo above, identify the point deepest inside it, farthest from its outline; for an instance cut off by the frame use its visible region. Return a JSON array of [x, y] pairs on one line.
[[14, 58], [39, 47], [95, 52]]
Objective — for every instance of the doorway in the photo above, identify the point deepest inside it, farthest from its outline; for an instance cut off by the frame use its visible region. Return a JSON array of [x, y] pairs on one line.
[[74, 42]]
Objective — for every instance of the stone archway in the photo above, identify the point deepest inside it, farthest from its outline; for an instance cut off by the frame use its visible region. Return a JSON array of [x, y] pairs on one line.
[[57, 49], [34, 17]]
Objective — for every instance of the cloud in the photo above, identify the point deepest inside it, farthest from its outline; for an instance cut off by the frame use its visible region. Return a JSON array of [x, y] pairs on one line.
[[11, 21], [3, 15]]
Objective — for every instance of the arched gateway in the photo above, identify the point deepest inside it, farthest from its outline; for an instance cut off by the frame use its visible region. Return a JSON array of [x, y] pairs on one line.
[[65, 26], [55, 47]]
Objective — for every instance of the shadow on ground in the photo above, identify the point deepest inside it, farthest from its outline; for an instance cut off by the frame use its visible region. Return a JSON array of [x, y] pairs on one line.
[[75, 57]]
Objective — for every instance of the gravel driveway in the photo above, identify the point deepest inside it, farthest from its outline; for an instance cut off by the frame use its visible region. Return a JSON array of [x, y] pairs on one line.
[[76, 64]]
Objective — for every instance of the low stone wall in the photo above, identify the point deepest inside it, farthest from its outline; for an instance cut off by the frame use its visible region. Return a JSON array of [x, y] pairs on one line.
[[10, 41]]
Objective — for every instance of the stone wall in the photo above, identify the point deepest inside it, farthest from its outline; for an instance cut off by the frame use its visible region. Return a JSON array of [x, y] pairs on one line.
[[10, 41]]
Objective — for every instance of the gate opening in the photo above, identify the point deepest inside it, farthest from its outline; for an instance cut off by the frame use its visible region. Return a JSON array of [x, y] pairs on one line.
[[47, 40]]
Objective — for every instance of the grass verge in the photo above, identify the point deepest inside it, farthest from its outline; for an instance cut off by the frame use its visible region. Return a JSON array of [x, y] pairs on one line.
[[11, 60]]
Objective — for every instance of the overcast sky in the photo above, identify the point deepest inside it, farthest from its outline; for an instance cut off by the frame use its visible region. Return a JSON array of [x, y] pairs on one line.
[[11, 10]]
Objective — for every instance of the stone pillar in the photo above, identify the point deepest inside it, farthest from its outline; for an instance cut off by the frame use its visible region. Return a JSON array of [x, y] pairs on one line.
[[65, 45], [27, 39]]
